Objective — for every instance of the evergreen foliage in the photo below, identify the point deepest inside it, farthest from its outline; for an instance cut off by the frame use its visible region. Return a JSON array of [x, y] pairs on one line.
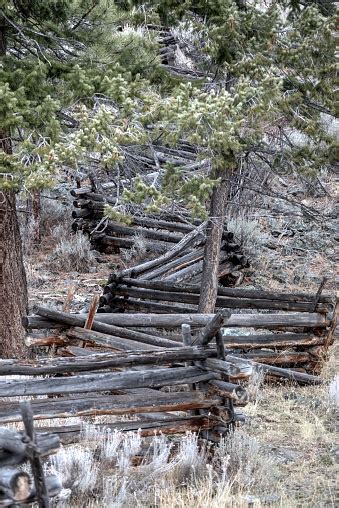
[[83, 79]]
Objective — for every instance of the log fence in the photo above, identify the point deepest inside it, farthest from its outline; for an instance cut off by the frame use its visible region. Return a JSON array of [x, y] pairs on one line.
[[110, 368], [171, 367], [17, 447], [161, 233]]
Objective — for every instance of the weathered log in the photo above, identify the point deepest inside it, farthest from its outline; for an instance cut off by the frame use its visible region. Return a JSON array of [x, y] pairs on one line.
[[14, 485], [162, 224], [87, 204], [81, 213], [230, 292], [176, 264], [102, 327], [228, 368], [206, 335], [81, 203], [282, 357], [67, 407], [279, 372], [95, 205], [108, 341], [229, 390], [190, 271], [186, 241], [13, 445], [38, 322], [144, 305], [103, 382], [174, 425], [123, 243], [45, 341], [226, 268], [101, 361], [72, 351], [220, 345], [115, 227], [86, 193], [53, 487], [270, 321], [187, 336], [35, 460], [223, 300], [81, 191], [272, 340], [47, 443]]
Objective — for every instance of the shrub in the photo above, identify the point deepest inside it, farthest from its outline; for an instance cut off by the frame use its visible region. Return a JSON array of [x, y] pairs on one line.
[[73, 254], [248, 233]]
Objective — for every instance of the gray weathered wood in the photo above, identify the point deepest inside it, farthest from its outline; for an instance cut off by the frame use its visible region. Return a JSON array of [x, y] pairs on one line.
[[270, 321], [274, 320], [221, 302], [104, 382], [130, 403], [186, 241], [228, 368], [279, 372], [229, 292], [206, 335], [41, 492], [175, 264], [109, 341], [171, 425], [148, 306], [100, 361], [278, 358], [72, 320], [14, 485], [272, 340], [229, 390]]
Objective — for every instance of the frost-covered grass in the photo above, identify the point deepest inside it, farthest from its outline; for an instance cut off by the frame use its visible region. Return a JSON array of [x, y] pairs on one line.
[[101, 472], [284, 457]]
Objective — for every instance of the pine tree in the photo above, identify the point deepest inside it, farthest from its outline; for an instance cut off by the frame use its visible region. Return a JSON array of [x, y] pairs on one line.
[[53, 54], [84, 76], [273, 73]]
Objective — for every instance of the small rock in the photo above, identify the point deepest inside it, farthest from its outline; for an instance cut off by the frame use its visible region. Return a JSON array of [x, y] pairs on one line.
[[285, 455], [270, 498]]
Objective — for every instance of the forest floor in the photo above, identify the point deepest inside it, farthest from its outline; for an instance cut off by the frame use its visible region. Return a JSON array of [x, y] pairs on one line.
[[284, 455]]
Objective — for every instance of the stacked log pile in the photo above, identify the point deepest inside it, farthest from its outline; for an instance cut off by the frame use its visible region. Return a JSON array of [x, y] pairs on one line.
[[305, 322], [293, 340], [16, 486], [168, 231], [123, 364], [127, 373]]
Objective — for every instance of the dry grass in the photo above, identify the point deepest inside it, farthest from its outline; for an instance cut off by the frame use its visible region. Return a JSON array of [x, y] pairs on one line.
[[140, 248], [249, 233], [72, 254], [185, 473]]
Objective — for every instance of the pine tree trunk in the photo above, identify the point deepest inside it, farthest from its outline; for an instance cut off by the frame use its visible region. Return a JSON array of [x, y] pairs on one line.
[[209, 283], [13, 287]]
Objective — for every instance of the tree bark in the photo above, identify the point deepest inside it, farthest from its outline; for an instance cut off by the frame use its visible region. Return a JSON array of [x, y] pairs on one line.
[[214, 231], [36, 209], [13, 286]]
